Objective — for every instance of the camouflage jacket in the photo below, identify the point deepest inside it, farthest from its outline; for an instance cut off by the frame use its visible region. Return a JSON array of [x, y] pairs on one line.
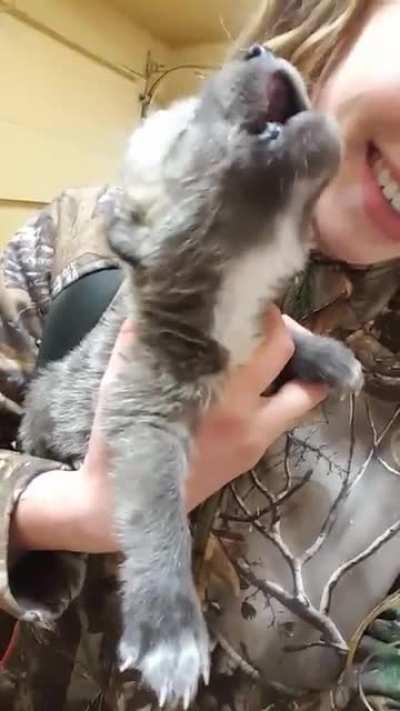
[[296, 563]]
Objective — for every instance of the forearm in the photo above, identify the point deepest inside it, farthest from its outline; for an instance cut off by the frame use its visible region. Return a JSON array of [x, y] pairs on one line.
[[67, 510], [59, 510]]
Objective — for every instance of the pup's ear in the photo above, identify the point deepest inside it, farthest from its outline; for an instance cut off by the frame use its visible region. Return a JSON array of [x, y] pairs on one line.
[[126, 233]]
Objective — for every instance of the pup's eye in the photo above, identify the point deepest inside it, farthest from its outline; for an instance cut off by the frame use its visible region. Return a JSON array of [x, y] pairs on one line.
[[127, 213], [256, 50], [134, 217]]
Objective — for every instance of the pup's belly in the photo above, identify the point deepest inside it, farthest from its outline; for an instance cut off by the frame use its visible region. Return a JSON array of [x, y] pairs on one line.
[[242, 334], [250, 285]]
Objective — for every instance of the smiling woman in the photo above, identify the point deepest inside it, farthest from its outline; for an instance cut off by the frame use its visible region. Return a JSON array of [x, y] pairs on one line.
[[349, 51], [363, 93], [331, 488]]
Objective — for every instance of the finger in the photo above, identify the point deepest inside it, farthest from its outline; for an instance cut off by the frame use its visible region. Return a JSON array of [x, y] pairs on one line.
[[125, 338], [293, 325], [292, 402], [269, 358]]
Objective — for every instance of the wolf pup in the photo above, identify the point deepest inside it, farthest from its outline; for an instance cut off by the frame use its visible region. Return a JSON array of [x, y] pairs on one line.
[[212, 222]]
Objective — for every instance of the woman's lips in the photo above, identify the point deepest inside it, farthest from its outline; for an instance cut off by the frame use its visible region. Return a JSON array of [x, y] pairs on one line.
[[376, 205]]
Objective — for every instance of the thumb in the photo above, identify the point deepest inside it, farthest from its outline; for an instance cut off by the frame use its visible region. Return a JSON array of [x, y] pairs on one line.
[[292, 402], [126, 336]]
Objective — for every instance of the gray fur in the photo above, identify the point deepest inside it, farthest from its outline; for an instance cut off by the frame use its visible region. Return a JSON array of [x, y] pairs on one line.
[[218, 193]]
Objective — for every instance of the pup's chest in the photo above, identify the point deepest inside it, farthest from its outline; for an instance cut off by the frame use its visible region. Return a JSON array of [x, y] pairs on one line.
[[251, 283]]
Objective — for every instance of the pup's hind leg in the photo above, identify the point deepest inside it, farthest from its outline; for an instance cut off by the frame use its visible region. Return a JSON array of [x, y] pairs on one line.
[[164, 634]]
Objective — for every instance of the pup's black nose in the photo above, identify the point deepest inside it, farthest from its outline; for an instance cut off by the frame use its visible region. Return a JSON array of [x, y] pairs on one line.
[[256, 50]]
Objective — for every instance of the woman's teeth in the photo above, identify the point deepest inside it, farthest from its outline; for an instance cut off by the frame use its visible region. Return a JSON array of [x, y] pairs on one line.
[[389, 186]]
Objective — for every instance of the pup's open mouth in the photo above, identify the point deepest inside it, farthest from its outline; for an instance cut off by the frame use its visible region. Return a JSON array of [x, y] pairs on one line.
[[283, 100]]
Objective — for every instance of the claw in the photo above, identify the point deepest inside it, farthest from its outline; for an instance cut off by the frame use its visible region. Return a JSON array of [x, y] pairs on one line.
[[126, 664], [186, 699], [163, 696], [206, 675], [162, 699]]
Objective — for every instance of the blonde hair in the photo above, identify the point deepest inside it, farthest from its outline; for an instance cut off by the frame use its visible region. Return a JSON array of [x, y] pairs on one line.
[[312, 34]]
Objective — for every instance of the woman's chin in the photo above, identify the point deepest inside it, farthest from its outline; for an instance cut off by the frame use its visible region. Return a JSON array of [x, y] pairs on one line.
[[337, 251], [343, 237]]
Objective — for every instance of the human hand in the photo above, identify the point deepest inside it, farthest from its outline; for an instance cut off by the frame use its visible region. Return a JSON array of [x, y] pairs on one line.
[[73, 510], [237, 431]]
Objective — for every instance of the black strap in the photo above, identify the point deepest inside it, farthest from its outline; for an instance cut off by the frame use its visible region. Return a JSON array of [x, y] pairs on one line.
[[75, 311]]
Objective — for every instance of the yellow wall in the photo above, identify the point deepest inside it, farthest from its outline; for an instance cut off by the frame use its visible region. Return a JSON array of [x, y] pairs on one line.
[[185, 81], [64, 120]]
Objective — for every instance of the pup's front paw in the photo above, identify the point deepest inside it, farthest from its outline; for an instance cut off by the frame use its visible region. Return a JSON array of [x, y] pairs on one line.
[[325, 360], [169, 647]]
